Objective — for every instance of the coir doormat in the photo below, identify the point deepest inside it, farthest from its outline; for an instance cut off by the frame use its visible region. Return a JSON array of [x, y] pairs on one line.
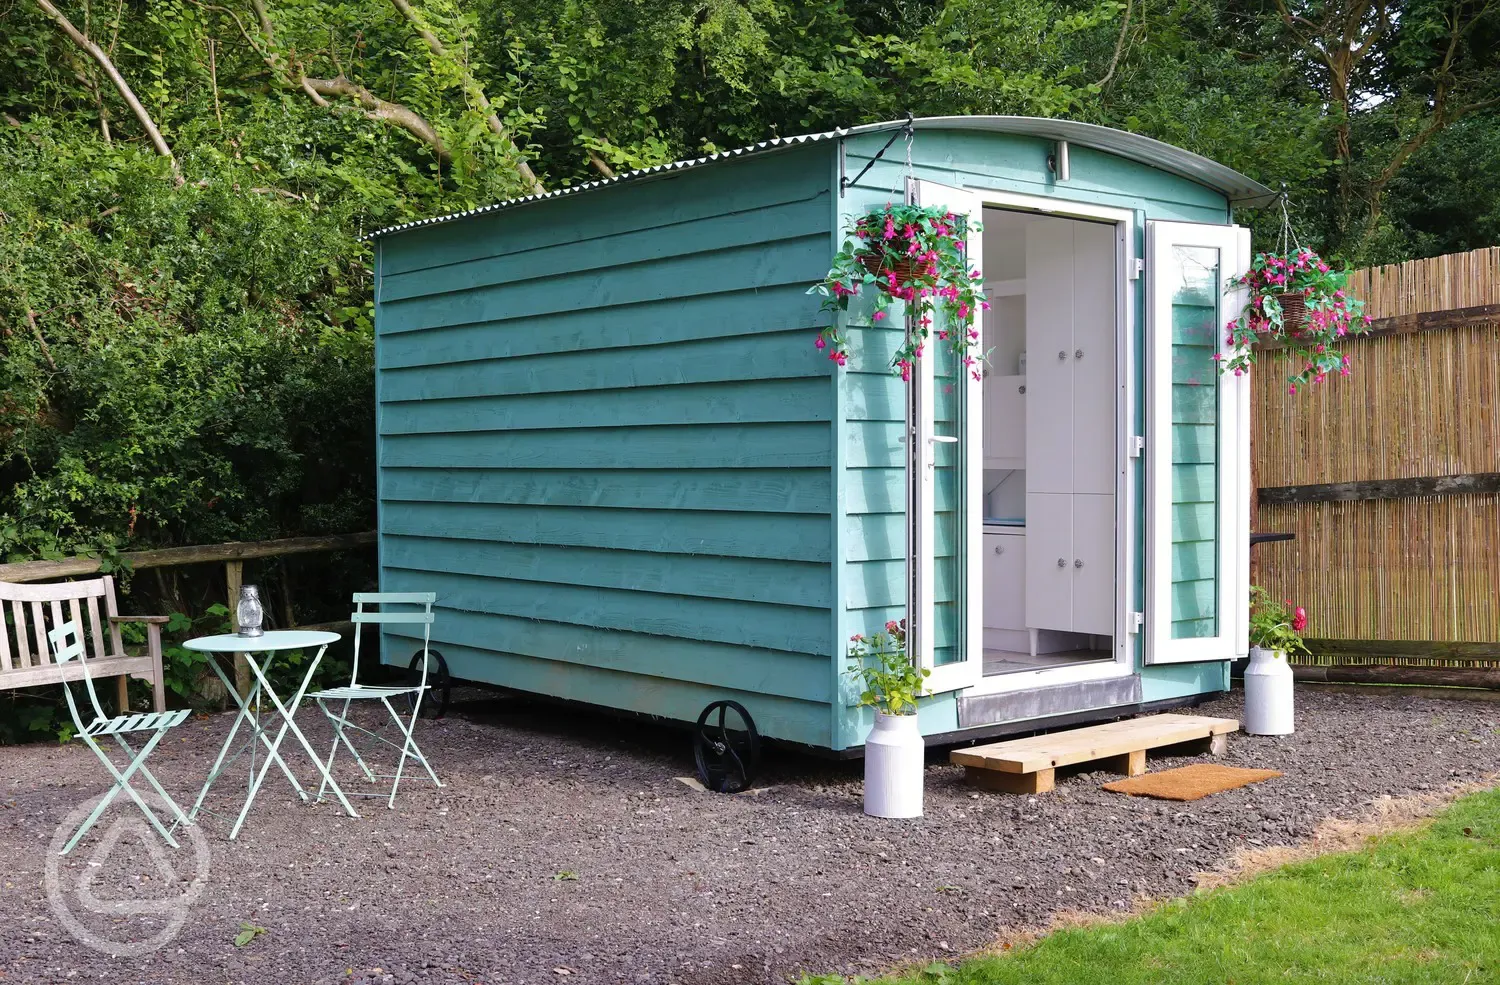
[[1190, 782]]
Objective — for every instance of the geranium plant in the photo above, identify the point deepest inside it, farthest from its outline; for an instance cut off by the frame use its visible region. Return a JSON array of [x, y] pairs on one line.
[[891, 683], [911, 254], [1299, 301], [1276, 624]]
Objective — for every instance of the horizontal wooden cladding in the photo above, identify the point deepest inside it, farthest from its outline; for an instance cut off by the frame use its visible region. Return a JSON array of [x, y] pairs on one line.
[[1347, 492], [883, 490], [1422, 321], [740, 313], [882, 584], [769, 224], [800, 260], [1423, 568], [708, 446], [791, 537], [757, 580], [755, 625], [651, 691], [777, 490], [778, 356], [741, 401], [662, 203]]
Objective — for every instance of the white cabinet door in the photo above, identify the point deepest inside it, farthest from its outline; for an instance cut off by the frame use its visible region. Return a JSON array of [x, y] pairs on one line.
[[1049, 561], [1096, 379], [1093, 564], [1049, 356], [1005, 422], [1005, 581]]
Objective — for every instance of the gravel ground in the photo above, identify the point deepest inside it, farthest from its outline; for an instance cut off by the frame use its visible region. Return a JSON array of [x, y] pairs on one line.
[[564, 849]]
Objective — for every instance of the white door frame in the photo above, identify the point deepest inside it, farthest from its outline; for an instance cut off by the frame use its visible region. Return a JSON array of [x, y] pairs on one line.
[[1126, 282], [921, 587], [1233, 244]]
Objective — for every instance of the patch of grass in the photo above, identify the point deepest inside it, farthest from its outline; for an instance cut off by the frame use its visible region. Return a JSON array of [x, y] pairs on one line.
[[1413, 907]]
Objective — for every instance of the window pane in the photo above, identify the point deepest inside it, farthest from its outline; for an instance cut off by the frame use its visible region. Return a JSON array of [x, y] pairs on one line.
[[1196, 324]]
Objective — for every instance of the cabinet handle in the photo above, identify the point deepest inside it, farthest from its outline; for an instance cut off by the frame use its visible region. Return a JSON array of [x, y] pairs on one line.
[[1061, 354], [1078, 354], [999, 549], [1077, 563], [1062, 562], [1021, 389]]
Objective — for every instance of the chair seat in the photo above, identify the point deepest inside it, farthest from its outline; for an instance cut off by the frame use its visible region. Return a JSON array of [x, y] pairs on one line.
[[146, 722], [357, 691]]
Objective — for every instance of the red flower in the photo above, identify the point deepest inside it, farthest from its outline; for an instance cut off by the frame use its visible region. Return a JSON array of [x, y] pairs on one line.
[[1299, 619]]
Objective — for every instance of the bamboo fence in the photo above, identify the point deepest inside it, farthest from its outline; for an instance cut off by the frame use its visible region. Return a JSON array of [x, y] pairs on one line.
[[1423, 403]]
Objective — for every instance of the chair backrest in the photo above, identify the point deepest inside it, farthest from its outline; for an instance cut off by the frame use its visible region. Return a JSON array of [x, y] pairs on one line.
[[384, 616], [29, 612], [67, 644]]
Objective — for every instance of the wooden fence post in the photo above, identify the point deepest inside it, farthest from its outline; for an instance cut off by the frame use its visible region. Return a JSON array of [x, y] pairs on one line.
[[234, 575]]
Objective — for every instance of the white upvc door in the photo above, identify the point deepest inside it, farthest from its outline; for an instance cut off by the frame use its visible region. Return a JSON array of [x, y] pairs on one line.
[[945, 509], [1197, 447]]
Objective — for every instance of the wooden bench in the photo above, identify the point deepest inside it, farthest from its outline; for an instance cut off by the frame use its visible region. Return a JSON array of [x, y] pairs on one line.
[[1030, 765], [31, 611]]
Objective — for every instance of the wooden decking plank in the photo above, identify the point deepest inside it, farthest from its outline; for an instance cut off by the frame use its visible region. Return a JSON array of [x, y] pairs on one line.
[[1083, 745]]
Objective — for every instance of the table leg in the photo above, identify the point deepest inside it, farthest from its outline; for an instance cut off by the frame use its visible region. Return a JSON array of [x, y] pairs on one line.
[[289, 723], [245, 714]]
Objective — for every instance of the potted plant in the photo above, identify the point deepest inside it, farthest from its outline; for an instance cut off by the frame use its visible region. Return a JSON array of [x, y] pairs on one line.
[[1275, 631], [908, 253], [894, 750], [1298, 301]]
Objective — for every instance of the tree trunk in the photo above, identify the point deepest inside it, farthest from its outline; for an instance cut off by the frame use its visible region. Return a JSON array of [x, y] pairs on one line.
[[126, 93], [475, 92]]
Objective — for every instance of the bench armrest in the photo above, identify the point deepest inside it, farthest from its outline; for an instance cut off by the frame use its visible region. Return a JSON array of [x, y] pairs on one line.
[[149, 620]]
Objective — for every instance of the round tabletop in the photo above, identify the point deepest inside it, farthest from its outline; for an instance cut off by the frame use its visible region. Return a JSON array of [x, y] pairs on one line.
[[275, 639]]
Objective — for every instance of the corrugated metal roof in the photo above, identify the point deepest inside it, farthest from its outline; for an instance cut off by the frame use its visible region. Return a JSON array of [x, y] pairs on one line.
[[1239, 189]]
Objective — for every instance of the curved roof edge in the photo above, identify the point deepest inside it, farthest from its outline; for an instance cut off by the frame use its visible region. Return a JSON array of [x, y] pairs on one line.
[[1236, 187]]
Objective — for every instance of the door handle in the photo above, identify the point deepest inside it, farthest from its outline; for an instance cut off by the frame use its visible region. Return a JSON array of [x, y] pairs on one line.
[[946, 439]]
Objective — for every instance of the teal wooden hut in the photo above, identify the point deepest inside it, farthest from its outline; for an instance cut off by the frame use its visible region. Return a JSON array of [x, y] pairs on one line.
[[608, 444]]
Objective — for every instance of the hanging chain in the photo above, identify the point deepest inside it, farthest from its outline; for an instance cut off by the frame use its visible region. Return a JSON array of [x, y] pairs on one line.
[[1287, 233]]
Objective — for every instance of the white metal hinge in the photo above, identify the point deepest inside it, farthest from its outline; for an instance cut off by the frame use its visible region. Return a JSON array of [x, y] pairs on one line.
[[1137, 446], [1137, 621], [1137, 268]]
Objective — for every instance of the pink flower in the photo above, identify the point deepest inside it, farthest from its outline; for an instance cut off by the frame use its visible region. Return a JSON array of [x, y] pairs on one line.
[[877, 316], [892, 626], [857, 638], [1299, 619], [820, 342]]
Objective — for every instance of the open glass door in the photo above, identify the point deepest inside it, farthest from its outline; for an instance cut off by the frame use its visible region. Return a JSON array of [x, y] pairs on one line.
[[1197, 447], [945, 431]]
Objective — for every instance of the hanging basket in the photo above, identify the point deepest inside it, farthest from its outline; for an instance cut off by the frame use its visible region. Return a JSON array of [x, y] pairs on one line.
[[1293, 311], [880, 263]]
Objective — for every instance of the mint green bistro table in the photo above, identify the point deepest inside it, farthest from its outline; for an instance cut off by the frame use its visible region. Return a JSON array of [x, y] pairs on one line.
[[270, 644]]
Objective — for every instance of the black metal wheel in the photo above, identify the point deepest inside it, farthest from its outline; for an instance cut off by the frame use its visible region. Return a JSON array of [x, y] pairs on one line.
[[726, 747], [439, 684]]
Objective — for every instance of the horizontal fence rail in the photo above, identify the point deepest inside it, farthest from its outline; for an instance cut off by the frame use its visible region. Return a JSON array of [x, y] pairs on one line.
[[232, 555]]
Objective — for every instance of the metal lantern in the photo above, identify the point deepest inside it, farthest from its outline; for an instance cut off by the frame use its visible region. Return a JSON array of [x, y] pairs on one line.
[[249, 613]]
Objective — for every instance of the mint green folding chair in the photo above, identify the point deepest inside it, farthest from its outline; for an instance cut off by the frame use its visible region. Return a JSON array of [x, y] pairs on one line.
[[157, 723], [365, 692]]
